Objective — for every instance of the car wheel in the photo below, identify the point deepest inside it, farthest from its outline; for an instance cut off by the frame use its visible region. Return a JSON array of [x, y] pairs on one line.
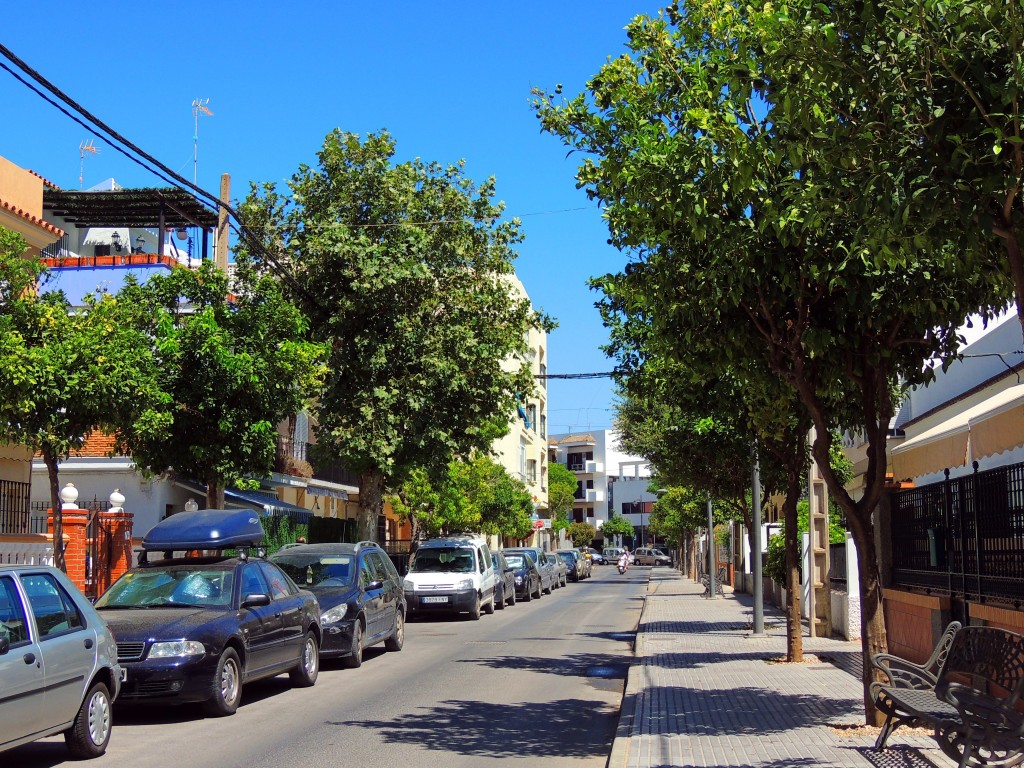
[[304, 675], [397, 639], [227, 686], [489, 607], [540, 589], [512, 596], [527, 596], [474, 613], [89, 735], [355, 658], [550, 588], [499, 603]]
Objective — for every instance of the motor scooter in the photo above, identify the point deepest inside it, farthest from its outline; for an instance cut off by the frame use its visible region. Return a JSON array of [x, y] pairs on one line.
[[623, 564]]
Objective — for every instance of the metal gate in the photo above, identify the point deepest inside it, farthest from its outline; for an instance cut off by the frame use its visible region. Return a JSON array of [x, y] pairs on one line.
[[99, 549]]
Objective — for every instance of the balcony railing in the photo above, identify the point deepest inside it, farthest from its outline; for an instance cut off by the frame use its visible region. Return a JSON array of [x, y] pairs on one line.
[[14, 514]]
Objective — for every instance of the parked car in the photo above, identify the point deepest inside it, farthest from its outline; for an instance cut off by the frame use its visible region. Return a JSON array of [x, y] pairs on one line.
[[588, 564], [451, 575], [526, 574], [361, 598], [611, 554], [196, 629], [650, 556], [504, 581], [597, 558], [58, 663], [561, 569], [545, 568], [574, 562]]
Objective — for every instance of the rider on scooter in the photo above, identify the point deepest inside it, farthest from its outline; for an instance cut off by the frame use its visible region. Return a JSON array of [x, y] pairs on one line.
[[624, 560]]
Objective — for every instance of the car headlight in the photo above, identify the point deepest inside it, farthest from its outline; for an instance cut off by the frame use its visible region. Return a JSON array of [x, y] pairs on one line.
[[334, 615], [408, 586], [175, 648], [465, 584], [519, 579]]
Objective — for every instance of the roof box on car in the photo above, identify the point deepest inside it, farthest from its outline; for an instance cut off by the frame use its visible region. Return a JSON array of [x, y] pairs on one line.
[[205, 529]]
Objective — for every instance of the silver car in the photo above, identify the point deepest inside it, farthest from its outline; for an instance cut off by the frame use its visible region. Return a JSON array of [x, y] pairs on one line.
[[58, 662]]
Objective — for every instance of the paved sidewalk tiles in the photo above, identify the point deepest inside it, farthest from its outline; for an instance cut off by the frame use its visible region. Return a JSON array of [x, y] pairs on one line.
[[704, 692]]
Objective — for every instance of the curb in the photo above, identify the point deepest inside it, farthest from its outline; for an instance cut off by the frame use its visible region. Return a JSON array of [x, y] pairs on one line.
[[619, 756]]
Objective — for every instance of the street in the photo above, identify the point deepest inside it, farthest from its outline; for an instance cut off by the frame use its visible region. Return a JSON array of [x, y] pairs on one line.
[[540, 682]]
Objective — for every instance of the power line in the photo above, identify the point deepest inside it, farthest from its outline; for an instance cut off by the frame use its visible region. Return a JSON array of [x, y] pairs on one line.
[[602, 375]]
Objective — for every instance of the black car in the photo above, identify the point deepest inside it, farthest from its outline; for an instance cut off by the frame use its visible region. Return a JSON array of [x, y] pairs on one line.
[[361, 597], [198, 628], [526, 574], [504, 581]]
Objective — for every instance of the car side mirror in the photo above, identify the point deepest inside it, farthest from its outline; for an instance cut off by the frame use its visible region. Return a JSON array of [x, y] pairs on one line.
[[5, 644], [255, 600], [375, 584]]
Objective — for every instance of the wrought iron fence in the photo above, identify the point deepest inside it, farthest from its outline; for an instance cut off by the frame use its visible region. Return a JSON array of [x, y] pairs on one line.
[[14, 508], [962, 537]]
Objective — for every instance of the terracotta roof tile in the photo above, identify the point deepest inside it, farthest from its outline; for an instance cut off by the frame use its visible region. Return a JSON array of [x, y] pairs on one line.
[[45, 180], [44, 225]]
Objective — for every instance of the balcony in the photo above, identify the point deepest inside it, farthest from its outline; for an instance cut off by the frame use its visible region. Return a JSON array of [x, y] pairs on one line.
[[575, 466], [594, 495], [298, 458], [593, 466]]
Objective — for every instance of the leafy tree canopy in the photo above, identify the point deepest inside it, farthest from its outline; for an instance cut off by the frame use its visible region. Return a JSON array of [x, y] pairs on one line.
[[581, 534], [405, 270], [562, 484], [617, 525]]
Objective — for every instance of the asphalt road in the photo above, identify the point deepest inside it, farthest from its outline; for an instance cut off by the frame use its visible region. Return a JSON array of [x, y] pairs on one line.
[[538, 683]]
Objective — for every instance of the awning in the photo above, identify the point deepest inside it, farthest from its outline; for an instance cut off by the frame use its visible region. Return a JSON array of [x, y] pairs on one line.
[[992, 426]]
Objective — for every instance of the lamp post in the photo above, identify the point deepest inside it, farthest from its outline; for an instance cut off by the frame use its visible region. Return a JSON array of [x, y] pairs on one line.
[[712, 576]]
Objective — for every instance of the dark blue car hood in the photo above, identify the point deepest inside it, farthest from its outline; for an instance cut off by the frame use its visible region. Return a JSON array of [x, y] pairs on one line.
[[138, 625]]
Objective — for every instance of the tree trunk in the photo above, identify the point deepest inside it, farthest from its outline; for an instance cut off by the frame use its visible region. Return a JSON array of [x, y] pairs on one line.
[[58, 516], [214, 494], [371, 505], [872, 616], [794, 627]]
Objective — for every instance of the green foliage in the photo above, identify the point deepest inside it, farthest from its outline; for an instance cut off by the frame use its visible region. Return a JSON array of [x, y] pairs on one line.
[[581, 534], [775, 552], [279, 530], [65, 371], [405, 270], [616, 525], [561, 494], [232, 368], [680, 512], [476, 495]]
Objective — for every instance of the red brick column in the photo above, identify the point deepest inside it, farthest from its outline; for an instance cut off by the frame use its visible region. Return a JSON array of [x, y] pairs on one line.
[[74, 523], [119, 526]]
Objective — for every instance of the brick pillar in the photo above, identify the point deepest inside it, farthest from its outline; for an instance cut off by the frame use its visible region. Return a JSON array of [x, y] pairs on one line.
[[118, 526], [74, 523]]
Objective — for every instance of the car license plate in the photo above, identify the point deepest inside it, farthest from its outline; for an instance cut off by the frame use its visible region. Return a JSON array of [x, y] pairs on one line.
[[436, 599]]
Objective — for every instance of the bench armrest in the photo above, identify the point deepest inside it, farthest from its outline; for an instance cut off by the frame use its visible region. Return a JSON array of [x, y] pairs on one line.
[[902, 673]]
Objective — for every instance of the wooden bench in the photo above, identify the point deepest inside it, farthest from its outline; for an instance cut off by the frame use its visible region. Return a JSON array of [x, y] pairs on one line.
[[719, 580], [967, 693]]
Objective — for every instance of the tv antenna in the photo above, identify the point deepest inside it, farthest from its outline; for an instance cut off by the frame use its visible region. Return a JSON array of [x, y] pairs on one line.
[[85, 147], [198, 108]]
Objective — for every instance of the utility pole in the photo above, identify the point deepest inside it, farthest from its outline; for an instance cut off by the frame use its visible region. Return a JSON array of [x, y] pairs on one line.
[[755, 540], [712, 565], [221, 243]]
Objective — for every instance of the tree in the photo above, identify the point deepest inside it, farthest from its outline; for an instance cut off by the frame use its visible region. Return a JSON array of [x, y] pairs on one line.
[[562, 484], [232, 367], [405, 271], [676, 516], [757, 248], [581, 534], [66, 371], [616, 525]]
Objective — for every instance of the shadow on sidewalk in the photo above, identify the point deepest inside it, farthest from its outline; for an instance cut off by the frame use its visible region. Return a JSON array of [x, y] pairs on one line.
[[569, 728], [690, 627], [740, 711]]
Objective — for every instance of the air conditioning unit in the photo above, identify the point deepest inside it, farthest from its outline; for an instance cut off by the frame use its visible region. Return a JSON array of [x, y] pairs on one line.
[[595, 494], [594, 466]]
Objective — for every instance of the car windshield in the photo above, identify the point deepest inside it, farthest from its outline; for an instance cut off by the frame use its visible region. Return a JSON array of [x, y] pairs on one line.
[[443, 560], [515, 561], [174, 586], [318, 570], [569, 557]]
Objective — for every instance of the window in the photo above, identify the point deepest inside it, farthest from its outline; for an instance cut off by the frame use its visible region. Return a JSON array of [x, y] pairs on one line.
[[544, 427], [379, 568], [13, 622], [531, 470], [632, 508], [579, 491], [253, 582], [522, 459], [590, 513], [543, 375], [531, 415], [280, 586], [55, 611]]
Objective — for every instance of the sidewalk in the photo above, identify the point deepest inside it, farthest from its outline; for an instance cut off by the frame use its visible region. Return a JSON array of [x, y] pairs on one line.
[[703, 692]]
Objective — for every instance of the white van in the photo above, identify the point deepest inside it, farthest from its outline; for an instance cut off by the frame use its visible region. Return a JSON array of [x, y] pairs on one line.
[[451, 575]]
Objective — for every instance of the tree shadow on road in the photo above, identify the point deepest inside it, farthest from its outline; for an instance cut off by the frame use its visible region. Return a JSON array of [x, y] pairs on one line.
[[602, 665], [569, 728]]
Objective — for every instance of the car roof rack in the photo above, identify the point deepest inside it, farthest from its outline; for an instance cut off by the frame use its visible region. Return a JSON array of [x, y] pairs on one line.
[[205, 529]]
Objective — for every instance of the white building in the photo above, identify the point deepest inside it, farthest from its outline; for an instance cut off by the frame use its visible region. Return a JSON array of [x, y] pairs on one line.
[[610, 481], [523, 451]]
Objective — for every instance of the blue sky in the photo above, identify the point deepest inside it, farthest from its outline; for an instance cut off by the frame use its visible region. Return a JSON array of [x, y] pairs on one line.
[[449, 80]]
